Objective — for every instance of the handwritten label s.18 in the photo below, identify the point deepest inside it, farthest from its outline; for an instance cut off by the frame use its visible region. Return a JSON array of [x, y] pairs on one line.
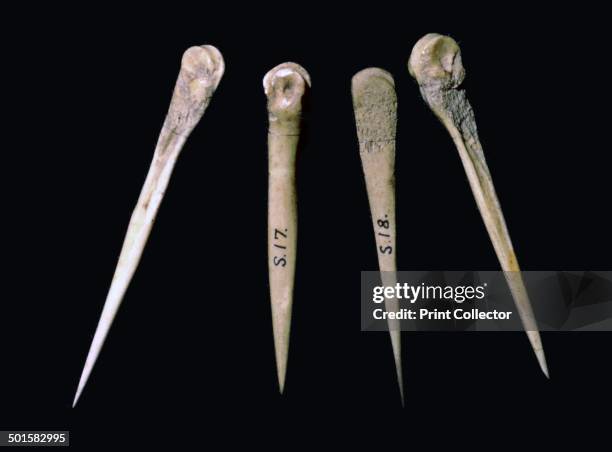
[[383, 231]]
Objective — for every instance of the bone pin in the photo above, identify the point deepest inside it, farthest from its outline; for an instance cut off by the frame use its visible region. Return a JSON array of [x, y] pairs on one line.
[[375, 107], [284, 87], [435, 63], [201, 71]]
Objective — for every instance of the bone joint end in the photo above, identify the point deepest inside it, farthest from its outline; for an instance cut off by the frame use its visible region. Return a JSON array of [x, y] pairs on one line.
[[436, 60]]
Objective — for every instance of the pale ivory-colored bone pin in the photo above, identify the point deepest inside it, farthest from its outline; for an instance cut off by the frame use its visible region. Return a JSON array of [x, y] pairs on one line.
[[284, 86], [375, 105], [435, 63], [201, 70]]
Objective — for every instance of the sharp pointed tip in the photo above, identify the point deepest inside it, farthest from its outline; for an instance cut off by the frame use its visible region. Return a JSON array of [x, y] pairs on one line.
[[396, 346], [542, 362], [76, 397], [281, 350], [536, 345], [82, 382], [84, 377], [281, 379], [96, 346], [400, 380]]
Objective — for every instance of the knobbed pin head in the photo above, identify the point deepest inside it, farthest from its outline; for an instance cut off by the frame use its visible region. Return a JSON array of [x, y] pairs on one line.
[[201, 70], [285, 86], [436, 60]]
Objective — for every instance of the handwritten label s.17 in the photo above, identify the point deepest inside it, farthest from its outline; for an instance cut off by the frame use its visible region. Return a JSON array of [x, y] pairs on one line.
[[280, 243]]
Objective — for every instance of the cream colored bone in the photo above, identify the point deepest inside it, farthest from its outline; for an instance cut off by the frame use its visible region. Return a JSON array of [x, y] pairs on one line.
[[284, 86], [375, 105], [201, 70], [435, 62]]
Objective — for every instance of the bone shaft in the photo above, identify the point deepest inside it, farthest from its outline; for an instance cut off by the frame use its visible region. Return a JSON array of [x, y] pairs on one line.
[[282, 240], [378, 161], [483, 189], [143, 216], [379, 175], [379, 167], [136, 237], [488, 204], [149, 201], [490, 209], [473, 160]]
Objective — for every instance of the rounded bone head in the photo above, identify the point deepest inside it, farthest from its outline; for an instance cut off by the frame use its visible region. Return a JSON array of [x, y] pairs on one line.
[[285, 86], [202, 68], [436, 60], [375, 104], [371, 86]]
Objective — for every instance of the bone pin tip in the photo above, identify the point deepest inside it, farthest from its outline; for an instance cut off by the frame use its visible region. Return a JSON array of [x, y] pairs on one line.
[[534, 337], [436, 59], [543, 365]]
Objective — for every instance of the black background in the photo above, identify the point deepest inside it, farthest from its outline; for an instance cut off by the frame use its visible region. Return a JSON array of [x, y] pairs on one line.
[[190, 356]]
